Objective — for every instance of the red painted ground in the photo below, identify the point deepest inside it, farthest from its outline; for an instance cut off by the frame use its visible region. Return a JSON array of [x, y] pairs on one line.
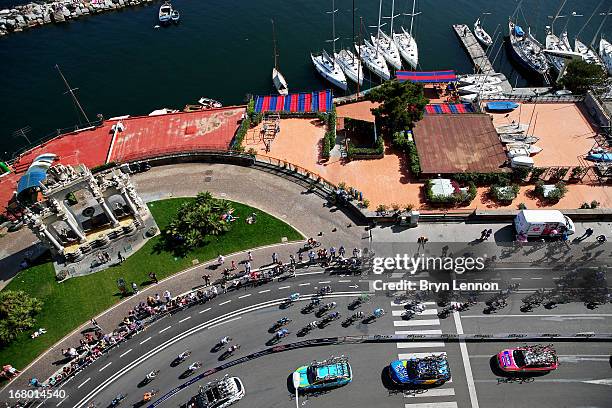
[[143, 137]]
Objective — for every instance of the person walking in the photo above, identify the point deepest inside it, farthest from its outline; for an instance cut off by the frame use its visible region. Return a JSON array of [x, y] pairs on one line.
[[292, 260], [153, 277], [247, 267], [120, 257], [233, 267], [95, 324], [221, 260], [206, 279], [134, 288], [274, 257], [250, 256]]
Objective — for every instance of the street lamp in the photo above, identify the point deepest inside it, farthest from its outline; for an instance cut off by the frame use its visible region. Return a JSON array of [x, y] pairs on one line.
[[296, 384]]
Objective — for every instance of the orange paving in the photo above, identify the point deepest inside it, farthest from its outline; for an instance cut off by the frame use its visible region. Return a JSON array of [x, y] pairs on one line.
[[564, 131], [386, 181]]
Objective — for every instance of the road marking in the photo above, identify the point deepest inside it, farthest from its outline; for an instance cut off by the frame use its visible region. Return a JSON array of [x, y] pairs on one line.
[[84, 382], [410, 332], [227, 321], [324, 282], [466, 362], [205, 310], [586, 316], [145, 340], [310, 273], [420, 344], [406, 323], [284, 287], [537, 278], [404, 303], [344, 281], [224, 303], [264, 291], [426, 312], [408, 356], [304, 284], [432, 392], [432, 404], [59, 403], [185, 319], [105, 366], [163, 330], [126, 352], [244, 296], [517, 278]]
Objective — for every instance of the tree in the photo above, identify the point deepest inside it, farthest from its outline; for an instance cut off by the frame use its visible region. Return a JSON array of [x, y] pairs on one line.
[[402, 104], [17, 311], [196, 220], [580, 76]]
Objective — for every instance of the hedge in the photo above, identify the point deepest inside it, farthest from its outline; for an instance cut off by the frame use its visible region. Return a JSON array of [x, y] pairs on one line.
[[401, 142], [452, 200], [378, 150], [502, 194], [483, 179], [241, 133], [329, 139]]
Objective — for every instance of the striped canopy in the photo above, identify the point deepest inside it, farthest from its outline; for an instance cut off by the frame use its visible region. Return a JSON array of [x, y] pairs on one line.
[[320, 101]]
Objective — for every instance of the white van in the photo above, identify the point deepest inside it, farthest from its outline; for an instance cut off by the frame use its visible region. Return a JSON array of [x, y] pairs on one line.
[[536, 223]]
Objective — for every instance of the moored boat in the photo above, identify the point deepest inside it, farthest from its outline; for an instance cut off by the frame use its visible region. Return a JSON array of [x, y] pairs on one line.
[[373, 60], [278, 79], [208, 103], [526, 50], [175, 16], [482, 89], [326, 64], [501, 106], [587, 53], [605, 52], [481, 34], [351, 65], [512, 128], [165, 13], [479, 79]]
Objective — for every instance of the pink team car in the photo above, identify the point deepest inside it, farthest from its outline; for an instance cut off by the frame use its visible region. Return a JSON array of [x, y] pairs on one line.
[[528, 359]]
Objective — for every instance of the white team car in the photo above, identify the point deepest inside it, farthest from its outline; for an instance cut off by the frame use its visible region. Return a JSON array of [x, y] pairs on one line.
[[220, 393]]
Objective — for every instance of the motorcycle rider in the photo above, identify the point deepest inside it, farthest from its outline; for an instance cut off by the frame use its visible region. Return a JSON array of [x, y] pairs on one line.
[[379, 312], [333, 315]]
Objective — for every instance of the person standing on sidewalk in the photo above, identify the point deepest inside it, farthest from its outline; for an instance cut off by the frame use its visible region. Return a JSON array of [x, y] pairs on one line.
[[167, 296], [250, 256], [247, 267], [134, 288], [274, 257], [221, 260], [153, 277]]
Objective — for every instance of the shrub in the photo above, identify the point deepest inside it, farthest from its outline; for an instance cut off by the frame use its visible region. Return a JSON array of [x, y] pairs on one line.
[[594, 204], [382, 208], [559, 173], [17, 311], [365, 203], [482, 179], [71, 199], [457, 198], [520, 173], [378, 150], [413, 156], [536, 172], [409, 207], [585, 206], [395, 206], [554, 195], [522, 206], [342, 185], [326, 148], [251, 152], [504, 193], [240, 134], [578, 172]]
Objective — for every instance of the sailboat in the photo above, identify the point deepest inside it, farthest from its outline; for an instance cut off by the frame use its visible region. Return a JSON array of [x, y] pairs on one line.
[[406, 43], [326, 64], [384, 42], [277, 78], [555, 43], [588, 54], [481, 34], [526, 50], [349, 62], [605, 52], [373, 60]]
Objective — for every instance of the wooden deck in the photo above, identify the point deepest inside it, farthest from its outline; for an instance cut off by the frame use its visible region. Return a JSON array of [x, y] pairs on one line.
[[472, 46]]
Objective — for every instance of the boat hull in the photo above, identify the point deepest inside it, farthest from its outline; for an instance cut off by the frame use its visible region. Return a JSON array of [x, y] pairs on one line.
[[337, 77], [605, 52], [389, 50], [519, 57], [501, 106], [407, 46], [352, 70], [374, 63], [279, 82]]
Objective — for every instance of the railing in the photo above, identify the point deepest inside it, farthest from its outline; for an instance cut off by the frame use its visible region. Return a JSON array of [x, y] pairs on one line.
[[165, 153], [285, 165], [538, 99]]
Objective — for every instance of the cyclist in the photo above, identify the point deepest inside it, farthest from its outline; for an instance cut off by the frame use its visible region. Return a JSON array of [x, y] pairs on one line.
[[184, 355], [282, 333], [151, 376], [225, 340], [195, 366]]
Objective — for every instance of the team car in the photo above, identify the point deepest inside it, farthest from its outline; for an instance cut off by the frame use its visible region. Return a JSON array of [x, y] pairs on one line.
[[433, 369], [220, 393], [330, 373], [528, 359]]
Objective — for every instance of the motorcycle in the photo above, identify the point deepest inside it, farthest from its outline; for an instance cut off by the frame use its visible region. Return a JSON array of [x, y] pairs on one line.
[[329, 318], [150, 377], [231, 349], [307, 329], [311, 244], [326, 308], [325, 290], [185, 356]]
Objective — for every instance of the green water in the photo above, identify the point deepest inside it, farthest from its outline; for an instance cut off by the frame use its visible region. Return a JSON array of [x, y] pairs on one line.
[[221, 49]]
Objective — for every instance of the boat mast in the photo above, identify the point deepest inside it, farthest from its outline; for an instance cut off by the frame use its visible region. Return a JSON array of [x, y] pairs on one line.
[[334, 39], [412, 17], [600, 27], [353, 36], [589, 19], [378, 31], [359, 48], [274, 41], [552, 24], [71, 91], [392, 17]]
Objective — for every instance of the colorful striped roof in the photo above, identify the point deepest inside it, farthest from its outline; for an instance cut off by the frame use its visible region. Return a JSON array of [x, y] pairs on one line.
[[319, 101], [426, 76]]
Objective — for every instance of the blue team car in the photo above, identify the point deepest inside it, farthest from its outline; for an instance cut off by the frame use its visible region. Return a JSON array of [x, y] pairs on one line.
[[430, 370], [330, 373]]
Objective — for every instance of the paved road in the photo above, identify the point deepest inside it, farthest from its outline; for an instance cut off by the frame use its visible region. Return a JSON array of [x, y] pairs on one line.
[[242, 315]]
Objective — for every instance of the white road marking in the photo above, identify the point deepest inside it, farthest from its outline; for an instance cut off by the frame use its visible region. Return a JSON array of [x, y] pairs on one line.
[[408, 356], [310, 273], [59, 403], [264, 291], [105, 366], [325, 282], [185, 319], [537, 278], [84, 382], [407, 323], [125, 353], [284, 287], [227, 321], [244, 296], [420, 344], [432, 405], [426, 312], [304, 284], [145, 340], [586, 316], [517, 278], [409, 332], [466, 362], [404, 303], [344, 281], [163, 330], [224, 303], [432, 392], [205, 310]]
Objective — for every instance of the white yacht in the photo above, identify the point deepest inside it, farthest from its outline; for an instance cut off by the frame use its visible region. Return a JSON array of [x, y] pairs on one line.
[[388, 49], [605, 52], [587, 53], [326, 64], [373, 60], [481, 34], [407, 47], [351, 65]]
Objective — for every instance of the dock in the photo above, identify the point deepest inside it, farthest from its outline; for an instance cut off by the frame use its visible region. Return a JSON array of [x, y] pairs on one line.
[[478, 55]]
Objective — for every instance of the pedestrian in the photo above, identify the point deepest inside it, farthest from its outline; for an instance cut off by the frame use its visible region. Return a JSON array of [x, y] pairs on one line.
[[101, 258], [489, 233], [153, 277], [483, 234], [206, 279], [300, 257], [341, 251], [134, 288], [157, 299], [274, 257], [292, 260], [247, 267], [95, 324], [250, 256], [332, 252], [601, 238], [233, 268], [120, 257], [224, 287], [221, 260], [106, 256], [311, 256], [167, 296]]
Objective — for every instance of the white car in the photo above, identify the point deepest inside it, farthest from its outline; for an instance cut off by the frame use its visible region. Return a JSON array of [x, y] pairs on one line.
[[220, 393]]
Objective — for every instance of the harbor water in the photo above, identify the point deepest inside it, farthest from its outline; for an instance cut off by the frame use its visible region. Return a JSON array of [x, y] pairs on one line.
[[121, 64]]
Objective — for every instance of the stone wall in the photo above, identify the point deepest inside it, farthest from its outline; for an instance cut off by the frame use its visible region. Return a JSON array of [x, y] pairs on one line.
[[30, 15]]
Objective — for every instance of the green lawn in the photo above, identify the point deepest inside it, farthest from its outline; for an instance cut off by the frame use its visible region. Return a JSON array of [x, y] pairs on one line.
[[73, 302]]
